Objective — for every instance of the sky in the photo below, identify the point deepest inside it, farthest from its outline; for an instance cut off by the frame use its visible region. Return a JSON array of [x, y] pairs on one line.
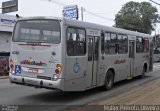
[[105, 9]]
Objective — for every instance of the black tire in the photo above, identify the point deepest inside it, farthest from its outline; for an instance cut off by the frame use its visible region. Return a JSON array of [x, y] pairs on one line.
[[143, 73], [109, 80]]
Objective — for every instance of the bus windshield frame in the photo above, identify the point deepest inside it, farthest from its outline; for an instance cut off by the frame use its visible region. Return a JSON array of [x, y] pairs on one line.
[[37, 31]]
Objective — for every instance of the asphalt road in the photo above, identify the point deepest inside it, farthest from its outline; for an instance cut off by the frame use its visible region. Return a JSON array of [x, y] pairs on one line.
[[12, 94]]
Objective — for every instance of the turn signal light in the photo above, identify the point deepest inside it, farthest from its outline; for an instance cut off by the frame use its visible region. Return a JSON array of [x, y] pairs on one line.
[[11, 66], [11, 61], [57, 71], [58, 66]]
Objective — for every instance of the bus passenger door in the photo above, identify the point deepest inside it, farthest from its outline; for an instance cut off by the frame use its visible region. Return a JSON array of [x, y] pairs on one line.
[[93, 45], [131, 57]]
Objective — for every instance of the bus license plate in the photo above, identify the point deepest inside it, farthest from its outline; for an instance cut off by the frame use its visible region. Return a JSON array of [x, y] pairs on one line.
[[32, 70]]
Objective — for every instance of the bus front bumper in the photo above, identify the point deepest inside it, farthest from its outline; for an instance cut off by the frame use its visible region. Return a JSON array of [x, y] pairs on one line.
[[38, 83]]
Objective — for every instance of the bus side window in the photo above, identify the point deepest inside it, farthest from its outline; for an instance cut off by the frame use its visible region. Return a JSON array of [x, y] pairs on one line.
[[107, 43], [139, 45], [102, 43], [70, 44], [146, 44], [122, 41], [71, 38], [112, 44], [81, 42], [76, 42]]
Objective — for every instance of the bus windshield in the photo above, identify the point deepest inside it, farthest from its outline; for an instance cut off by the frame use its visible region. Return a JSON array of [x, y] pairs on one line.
[[41, 31]]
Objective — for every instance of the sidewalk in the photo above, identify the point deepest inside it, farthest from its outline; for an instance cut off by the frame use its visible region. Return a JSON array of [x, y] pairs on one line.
[[3, 77], [146, 94]]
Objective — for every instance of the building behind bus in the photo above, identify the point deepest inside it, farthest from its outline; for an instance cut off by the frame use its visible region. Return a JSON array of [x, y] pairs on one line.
[[6, 27]]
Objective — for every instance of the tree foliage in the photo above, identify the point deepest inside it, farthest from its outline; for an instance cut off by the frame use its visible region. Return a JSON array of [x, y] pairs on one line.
[[137, 16]]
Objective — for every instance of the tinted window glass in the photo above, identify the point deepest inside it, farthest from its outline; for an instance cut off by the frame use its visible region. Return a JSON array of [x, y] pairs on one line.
[[110, 43], [139, 45], [146, 45], [76, 42], [37, 31], [122, 41]]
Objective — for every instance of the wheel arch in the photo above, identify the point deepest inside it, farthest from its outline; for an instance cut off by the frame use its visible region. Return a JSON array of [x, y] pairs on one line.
[[113, 71], [145, 65]]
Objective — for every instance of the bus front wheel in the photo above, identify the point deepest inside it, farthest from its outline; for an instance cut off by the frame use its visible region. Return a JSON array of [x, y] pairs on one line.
[[109, 80]]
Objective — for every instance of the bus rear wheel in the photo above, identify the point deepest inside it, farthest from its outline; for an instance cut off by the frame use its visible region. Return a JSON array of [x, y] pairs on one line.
[[109, 80]]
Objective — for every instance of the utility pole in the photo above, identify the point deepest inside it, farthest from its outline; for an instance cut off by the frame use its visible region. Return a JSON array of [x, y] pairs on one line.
[[155, 39], [82, 10], [155, 23], [82, 13]]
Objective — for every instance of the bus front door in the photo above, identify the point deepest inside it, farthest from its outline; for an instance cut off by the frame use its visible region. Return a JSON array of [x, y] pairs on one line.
[[131, 57], [93, 43]]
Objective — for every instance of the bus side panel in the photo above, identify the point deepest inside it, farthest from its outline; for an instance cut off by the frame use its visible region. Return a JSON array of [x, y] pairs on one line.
[[138, 64], [118, 63], [142, 55], [75, 70], [63, 39], [122, 62], [104, 66], [141, 59]]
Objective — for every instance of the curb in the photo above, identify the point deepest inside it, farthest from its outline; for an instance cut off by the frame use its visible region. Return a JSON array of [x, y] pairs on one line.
[[4, 77]]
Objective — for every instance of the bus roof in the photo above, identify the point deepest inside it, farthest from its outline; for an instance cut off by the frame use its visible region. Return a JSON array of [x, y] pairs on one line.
[[90, 25], [105, 28]]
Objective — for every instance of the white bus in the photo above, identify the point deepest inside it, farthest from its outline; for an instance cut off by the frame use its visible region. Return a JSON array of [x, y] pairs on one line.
[[71, 55]]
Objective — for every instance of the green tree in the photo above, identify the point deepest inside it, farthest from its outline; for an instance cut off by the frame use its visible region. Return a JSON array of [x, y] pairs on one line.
[[137, 16]]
